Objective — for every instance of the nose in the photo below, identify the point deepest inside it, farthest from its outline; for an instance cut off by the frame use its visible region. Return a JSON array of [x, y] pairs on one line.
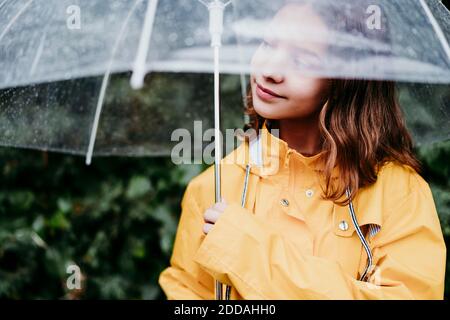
[[272, 69], [271, 75]]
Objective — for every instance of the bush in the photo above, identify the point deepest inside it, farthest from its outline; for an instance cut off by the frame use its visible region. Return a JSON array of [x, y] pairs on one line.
[[115, 220]]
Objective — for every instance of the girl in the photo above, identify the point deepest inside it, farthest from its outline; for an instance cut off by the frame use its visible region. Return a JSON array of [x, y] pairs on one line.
[[332, 208]]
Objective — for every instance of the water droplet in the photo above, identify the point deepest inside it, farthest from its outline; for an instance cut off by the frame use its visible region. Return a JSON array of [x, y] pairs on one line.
[[189, 41], [173, 37]]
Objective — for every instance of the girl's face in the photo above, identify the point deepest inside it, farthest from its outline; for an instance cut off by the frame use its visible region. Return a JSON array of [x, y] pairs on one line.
[[280, 90]]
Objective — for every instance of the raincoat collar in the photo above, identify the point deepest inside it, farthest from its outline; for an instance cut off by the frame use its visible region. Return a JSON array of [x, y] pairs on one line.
[[267, 154]]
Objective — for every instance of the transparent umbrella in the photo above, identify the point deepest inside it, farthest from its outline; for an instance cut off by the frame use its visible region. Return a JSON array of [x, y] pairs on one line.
[[42, 42], [57, 58]]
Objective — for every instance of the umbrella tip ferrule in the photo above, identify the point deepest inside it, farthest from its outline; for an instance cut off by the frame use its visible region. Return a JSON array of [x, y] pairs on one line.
[[137, 81]]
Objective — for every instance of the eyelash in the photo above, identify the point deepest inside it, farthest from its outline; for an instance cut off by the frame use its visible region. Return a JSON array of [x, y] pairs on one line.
[[265, 44], [300, 62], [297, 61]]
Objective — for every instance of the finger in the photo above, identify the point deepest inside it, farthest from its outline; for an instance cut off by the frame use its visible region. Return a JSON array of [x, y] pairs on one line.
[[220, 206], [211, 215], [207, 227]]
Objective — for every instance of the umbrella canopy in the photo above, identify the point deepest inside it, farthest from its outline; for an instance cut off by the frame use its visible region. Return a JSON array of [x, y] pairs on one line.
[[46, 45], [51, 40]]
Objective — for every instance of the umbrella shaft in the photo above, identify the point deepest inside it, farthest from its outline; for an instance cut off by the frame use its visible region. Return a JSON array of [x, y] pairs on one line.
[[217, 144], [217, 135]]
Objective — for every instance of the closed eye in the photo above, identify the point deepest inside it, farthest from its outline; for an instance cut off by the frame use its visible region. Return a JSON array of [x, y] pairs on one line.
[[306, 61], [305, 57], [266, 44], [301, 57]]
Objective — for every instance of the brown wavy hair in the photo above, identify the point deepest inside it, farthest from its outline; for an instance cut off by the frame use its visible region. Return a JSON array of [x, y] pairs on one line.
[[362, 128]]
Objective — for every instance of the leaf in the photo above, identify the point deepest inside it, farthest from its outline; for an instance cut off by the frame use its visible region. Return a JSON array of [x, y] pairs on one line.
[[138, 187], [59, 221], [64, 205]]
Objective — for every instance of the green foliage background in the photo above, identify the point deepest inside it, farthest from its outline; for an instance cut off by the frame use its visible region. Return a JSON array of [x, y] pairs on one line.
[[115, 219]]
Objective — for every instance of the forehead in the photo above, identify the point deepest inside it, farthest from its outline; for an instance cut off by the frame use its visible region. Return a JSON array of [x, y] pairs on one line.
[[298, 25]]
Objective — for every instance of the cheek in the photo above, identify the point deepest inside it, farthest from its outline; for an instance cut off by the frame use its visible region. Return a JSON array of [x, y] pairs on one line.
[[309, 88], [257, 60]]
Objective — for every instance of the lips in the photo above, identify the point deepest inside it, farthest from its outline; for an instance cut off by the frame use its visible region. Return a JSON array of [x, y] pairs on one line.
[[266, 93]]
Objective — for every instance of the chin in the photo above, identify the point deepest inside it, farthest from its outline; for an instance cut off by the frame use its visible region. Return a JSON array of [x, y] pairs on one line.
[[268, 111]]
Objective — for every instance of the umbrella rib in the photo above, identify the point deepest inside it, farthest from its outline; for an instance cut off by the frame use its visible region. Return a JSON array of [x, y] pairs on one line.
[[105, 84], [38, 54], [207, 4], [14, 19], [436, 28], [3, 3], [137, 78], [203, 2]]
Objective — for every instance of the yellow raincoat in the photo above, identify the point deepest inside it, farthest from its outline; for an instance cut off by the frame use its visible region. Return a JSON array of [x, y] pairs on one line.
[[288, 243]]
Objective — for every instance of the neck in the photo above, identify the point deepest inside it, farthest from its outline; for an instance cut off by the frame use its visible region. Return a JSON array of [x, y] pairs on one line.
[[303, 135]]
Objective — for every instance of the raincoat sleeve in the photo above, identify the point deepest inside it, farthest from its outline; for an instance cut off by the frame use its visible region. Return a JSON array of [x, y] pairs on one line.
[[184, 279], [409, 257]]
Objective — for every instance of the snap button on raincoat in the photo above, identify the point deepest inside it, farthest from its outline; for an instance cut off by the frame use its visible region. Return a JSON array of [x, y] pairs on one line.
[[288, 243]]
